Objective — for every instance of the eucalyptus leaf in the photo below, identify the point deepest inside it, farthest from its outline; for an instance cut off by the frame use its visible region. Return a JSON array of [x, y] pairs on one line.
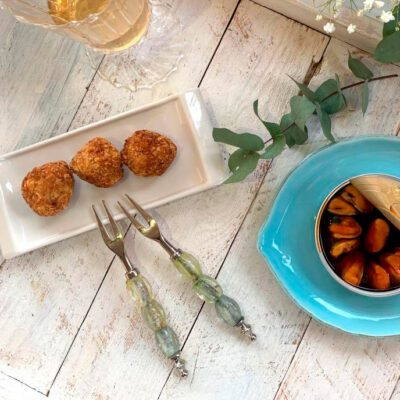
[[340, 89], [335, 102], [388, 49], [244, 163], [305, 90], [365, 97], [235, 159], [301, 110], [293, 134], [272, 128], [246, 141], [325, 121], [275, 148], [359, 69]]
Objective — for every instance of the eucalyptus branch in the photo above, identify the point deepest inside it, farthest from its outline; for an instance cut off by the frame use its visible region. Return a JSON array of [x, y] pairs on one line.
[[292, 129], [378, 78]]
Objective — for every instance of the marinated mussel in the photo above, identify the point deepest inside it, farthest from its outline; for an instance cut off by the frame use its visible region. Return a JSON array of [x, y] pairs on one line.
[[340, 247], [351, 267], [377, 276], [344, 228], [354, 197], [339, 206], [359, 242], [377, 235]]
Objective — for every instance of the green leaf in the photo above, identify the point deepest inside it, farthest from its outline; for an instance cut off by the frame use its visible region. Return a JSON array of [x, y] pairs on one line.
[[243, 164], [388, 49], [365, 97], [301, 109], [305, 90], [359, 69], [390, 27], [275, 148], [325, 120], [272, 128], [334, 103], [293, 134], [246, 141], [340, 89], [235, 159]]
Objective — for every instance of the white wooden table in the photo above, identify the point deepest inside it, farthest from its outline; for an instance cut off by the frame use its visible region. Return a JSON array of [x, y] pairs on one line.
[[68, 329]]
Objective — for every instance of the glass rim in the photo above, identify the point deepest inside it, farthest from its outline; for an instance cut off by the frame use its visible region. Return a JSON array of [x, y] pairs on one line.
[[91, 17]]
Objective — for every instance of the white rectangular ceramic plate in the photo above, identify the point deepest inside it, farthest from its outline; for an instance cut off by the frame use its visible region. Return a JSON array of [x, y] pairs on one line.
[[198, 166]]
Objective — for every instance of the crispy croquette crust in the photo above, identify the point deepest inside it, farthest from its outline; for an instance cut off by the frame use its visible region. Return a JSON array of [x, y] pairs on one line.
[[148, 153], [48, 188], [98, 163]]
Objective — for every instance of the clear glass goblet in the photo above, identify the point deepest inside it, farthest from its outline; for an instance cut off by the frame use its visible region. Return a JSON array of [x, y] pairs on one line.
[[142, 40]]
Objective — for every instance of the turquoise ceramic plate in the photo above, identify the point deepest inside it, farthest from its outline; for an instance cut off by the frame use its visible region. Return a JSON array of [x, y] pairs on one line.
[[287, 238]]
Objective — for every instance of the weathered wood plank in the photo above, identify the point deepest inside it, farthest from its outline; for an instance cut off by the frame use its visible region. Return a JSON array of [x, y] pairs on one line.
[[46, 294], [10, 389], [44, 77], [330, 364], [253, 57], [334, 365], [255, 371]]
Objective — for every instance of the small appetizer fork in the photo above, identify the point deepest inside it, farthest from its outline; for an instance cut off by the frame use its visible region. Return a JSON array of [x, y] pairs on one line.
[[206, 287], [137, 285]]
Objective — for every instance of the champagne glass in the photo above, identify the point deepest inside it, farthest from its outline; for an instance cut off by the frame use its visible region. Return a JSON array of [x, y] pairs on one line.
[[142, 40]]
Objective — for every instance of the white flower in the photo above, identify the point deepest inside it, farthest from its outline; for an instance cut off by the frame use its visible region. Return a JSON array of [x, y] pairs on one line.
[[329, 27], [318, 17], [379, 4], [351, 28], [387, 16], [368, 4], [360, 13]]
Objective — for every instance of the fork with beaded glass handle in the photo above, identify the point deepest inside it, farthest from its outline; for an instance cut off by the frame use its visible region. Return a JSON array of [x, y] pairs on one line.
[[206, 287], [137, 285]]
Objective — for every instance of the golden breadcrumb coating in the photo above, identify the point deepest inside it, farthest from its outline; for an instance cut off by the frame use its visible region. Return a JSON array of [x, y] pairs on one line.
[[48, 189], [99, 163], [148, 153]]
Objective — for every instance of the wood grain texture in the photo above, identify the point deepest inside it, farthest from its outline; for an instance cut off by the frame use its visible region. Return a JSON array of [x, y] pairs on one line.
[[330, 364], [43, 79], [10, 389], [366, 37], [205, 225], [46, 294], [255, 371], [226, 366], [203, 23]]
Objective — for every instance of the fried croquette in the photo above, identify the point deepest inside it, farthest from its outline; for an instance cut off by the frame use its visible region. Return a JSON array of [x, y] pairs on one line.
[[148, 153], [48, 188], [99, 163]]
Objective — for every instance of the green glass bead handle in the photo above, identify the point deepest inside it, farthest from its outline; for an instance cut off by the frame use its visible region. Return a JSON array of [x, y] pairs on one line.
[[153, 315], [209, 290]]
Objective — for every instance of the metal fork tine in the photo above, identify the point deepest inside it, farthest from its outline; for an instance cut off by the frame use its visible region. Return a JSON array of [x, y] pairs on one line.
[[137, 225], [102, 228], [143, 213], [113, 224]]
